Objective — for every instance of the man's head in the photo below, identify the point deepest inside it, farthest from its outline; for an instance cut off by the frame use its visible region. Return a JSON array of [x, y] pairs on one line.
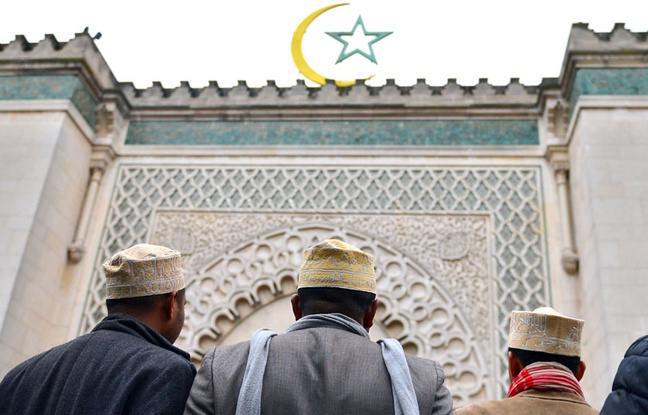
[[360, 306], [336, 277], [544, 335], [146, 282], [162, 312]]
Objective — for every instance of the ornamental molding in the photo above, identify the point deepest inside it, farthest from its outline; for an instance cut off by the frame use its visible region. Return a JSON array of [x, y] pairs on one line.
[[558, 118], [558, 157]]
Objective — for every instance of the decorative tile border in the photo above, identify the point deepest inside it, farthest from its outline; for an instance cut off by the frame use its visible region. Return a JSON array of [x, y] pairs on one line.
[[609, 81], [50, 87], [346, 133]]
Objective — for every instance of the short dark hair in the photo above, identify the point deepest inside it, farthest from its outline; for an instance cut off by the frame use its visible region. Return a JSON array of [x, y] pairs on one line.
[[528, 357], [352, 303], [137, 303]]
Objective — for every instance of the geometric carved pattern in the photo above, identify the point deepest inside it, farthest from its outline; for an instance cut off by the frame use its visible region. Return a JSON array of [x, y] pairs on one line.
[[261, 253], [510, 195]]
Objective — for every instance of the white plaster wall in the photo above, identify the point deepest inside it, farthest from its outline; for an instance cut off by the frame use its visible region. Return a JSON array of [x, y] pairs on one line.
[[48, 164], [609, 179], [27, 141]]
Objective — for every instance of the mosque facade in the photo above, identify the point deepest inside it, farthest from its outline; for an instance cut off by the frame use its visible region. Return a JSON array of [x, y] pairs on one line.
[[475, 200]]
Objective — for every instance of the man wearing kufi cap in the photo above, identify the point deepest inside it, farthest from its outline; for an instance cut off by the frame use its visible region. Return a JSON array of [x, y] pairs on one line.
[[127, 364], [325, 363], [544, 367]]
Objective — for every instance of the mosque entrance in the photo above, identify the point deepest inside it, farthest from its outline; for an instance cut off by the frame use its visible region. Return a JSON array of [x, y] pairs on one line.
[[242, 270], [457, 249]]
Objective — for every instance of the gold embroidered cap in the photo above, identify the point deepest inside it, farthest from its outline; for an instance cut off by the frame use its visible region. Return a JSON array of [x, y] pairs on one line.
[[545, 330], [143, 270], [336, 264]]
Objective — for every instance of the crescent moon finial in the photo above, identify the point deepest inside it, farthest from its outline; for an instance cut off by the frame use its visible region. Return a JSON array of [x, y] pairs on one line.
[[298, 53]]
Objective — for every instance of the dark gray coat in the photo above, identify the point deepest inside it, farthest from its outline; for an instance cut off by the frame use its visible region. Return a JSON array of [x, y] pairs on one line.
[[315, 371], [121, 367], [630, 388]]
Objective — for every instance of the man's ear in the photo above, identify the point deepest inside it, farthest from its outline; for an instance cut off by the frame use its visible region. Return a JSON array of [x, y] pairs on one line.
[[368, 320], [170, 304], [296, 307], [515, 366], [580, 371]]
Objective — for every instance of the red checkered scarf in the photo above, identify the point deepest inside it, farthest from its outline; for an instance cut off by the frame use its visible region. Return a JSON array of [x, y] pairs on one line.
[[545, 376]]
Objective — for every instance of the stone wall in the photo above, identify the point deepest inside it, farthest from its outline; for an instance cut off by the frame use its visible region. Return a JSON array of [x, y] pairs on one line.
[[44, 170], [609, 176]]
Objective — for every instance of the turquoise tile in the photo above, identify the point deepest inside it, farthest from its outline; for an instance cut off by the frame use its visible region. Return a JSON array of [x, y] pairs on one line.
[[50, 87], [609, 81], [323, 133]]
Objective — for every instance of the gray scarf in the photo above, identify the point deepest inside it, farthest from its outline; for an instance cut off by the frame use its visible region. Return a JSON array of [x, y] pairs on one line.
[[249, 399]]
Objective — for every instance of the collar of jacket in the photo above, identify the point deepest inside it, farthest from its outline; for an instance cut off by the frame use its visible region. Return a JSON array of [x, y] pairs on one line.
[[338, 322], [551, 395], [123, 323]]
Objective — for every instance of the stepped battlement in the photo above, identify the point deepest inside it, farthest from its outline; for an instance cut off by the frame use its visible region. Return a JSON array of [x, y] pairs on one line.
[[617, 48]]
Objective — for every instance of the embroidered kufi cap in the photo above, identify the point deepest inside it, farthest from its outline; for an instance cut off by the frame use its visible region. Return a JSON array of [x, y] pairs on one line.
[[143, 270], [336, 264], [545, 330]]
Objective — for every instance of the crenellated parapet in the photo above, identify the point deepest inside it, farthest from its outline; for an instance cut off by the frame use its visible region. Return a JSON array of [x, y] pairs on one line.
[[604, 63], [79, 54], [51, 69], [584, 39], [595, 63], [419, 94]]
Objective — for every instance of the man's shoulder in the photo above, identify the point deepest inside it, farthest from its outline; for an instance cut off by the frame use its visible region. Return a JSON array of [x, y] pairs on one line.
[[62, 355], [530, 403], [156, 356], [638, 348], [229, 349], [121, 346], [425, 370], [485, 408], [72, 347], [228, 356], [421, 362]]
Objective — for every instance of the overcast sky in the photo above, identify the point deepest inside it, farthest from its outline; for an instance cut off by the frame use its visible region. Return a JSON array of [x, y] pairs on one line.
[[199, 41]]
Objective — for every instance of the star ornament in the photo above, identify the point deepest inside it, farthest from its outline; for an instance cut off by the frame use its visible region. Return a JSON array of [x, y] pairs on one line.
[[361, 42]]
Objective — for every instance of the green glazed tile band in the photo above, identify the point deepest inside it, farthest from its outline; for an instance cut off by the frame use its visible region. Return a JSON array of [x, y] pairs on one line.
[[70, 87], [609, 81], [327, 133]]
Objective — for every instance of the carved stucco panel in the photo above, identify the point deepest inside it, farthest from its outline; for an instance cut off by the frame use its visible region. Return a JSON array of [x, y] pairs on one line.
[[510, 195], [433, 278]]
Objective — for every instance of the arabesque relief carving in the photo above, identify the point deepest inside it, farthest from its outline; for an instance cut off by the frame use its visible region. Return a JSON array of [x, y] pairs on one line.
[[433, 277], [509, 197]]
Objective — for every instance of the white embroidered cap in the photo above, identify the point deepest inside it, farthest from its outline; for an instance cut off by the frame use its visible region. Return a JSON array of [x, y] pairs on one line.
[[143, 270], [545, 330]]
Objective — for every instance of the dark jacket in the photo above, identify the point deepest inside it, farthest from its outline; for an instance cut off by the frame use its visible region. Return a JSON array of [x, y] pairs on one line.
[[121, 367], [316, 371], [630, 388]]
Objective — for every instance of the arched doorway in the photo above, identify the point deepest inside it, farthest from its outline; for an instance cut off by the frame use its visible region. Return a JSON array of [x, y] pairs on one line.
[[235, 290]]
